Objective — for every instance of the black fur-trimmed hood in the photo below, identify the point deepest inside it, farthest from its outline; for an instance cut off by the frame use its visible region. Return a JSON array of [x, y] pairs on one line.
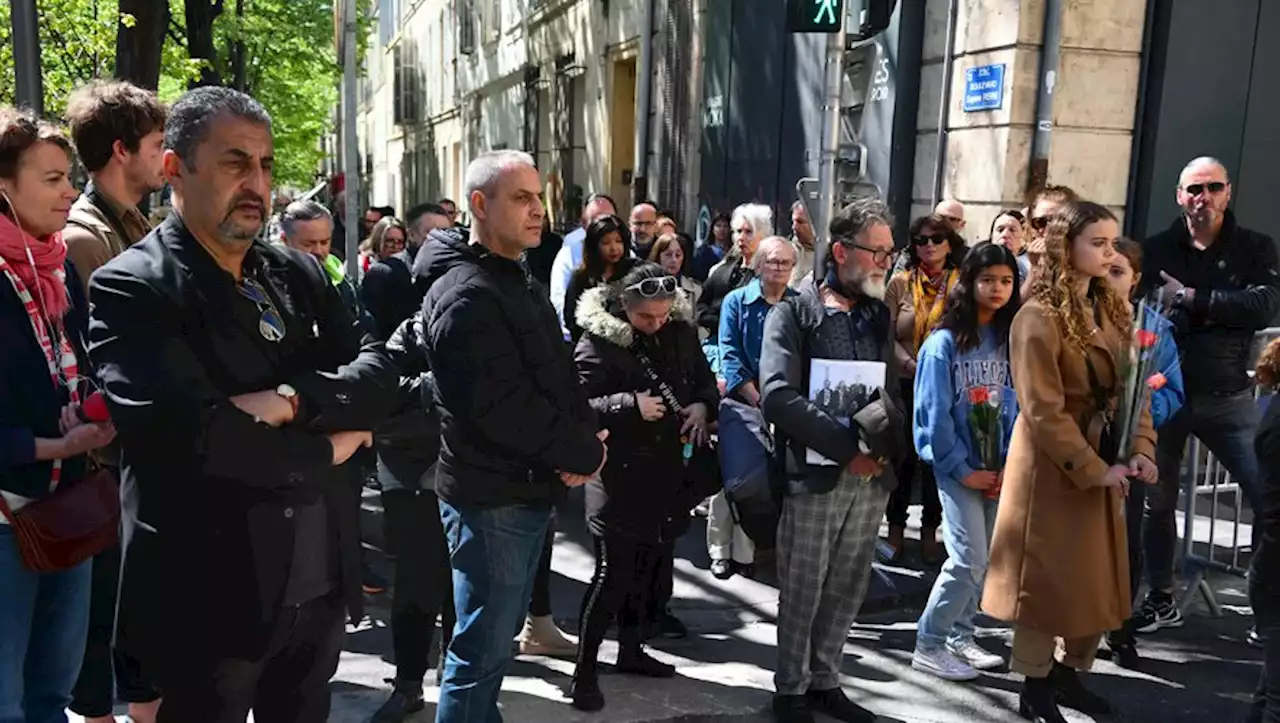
[[600, 314]]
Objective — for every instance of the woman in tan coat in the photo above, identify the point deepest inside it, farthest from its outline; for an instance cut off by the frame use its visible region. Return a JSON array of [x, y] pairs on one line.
[[1059, 558]]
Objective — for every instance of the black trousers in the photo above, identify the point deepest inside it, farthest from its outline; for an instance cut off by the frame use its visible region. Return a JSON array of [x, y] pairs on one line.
[[1265, 600], [423, 580], [621, 586], [108, 672], [914, 473], [289, 684], [663, 581]]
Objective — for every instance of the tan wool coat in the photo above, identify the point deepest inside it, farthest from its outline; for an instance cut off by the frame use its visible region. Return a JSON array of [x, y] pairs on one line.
[[1059, 555]]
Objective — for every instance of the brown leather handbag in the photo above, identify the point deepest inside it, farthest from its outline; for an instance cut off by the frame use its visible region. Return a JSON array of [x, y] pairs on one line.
[[69, 526]]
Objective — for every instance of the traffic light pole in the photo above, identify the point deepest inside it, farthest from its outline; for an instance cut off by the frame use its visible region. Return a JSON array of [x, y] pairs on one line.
[[833, 80], [350, 139], [26, 57]]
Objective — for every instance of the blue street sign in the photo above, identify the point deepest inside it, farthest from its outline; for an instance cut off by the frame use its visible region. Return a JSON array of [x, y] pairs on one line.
[[984, 88]]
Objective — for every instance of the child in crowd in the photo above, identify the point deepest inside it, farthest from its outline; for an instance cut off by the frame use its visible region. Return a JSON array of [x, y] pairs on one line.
[[964, 413]]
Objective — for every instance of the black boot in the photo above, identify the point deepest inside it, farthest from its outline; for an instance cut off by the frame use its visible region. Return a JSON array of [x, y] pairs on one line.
[[632, 658], [585, 690], [792, 709], [1036, 702], [1122, 649], [405, 700], [1069, 691]]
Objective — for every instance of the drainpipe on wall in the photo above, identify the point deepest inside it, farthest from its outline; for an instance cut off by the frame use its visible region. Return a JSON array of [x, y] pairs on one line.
[[944, 105], [644, 100], [1050, 56]]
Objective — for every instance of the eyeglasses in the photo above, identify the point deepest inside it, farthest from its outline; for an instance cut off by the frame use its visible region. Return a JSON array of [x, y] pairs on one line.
[[780, 264], [880, 256], [1196, 189], [657, 286], [1040, 223], [936, 240], [270, 323]]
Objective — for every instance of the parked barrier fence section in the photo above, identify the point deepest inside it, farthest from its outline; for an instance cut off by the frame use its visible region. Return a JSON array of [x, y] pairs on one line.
[[1210, 539]]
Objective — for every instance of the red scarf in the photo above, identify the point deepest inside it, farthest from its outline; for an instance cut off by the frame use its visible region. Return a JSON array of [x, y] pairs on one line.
[[41, 272]]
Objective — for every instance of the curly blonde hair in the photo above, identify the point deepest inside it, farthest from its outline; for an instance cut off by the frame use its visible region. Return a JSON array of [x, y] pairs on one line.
[[1054, 284]]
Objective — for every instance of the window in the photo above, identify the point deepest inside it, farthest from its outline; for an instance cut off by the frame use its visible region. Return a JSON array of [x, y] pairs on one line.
[[407, 88], [466, 14]]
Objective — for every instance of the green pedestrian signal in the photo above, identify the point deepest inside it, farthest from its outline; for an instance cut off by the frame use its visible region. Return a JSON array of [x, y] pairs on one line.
[[815, 16]]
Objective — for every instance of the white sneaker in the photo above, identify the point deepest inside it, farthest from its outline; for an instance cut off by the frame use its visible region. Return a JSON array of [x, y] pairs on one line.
[[943, 664], [975, 655]]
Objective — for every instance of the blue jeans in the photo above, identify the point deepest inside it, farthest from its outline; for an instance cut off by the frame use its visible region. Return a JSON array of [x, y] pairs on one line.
[[44, 621], [1226, 425], [967, 521], [494, 553]]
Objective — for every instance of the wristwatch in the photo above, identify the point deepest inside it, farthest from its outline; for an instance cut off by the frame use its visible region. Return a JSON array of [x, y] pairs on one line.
[[1180, 296], [290, 395]]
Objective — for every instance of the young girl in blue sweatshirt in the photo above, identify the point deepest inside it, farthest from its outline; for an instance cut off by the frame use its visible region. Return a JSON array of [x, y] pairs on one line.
[[1159, 610], [963, 366]]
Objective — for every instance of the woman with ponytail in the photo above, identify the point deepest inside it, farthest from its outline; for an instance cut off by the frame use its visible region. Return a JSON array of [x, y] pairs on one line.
[[43, 439], [1059, 565]]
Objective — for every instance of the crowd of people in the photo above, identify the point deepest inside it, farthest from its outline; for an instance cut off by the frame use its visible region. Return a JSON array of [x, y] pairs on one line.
[[205, 400]]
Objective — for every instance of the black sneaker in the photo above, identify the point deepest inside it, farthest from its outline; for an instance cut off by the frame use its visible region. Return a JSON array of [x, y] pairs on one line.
[[1159, 610], [1254, 638], [792, 709], [837, 705], [405, 700]]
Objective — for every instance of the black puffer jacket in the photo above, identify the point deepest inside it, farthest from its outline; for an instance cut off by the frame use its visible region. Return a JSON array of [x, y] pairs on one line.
[[511, 413], [409, 442], [643, 493]]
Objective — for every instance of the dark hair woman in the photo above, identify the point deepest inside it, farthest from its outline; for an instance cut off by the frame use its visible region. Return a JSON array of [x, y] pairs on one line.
[[1264, 570], [916, 298], [606, 257], [670, 252], [713, 248], [964, 377], [42, 438], [642, 368], [1059, 569]]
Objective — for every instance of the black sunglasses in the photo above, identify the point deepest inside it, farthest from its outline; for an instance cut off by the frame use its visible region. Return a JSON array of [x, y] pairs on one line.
[[936, 240], [270, 323], [657, 286], [1196, 189]]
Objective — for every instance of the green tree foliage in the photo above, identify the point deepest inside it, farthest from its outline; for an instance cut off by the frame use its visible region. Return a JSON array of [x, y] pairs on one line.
[[279, 51]]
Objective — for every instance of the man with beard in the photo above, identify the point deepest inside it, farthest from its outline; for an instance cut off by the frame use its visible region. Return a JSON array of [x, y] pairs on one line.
[[118, 129], [831, 512], [1223, 282], [644, 228], [802, 241], [240, 388]]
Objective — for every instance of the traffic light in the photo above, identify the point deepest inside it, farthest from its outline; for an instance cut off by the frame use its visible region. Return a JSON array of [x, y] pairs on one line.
[[815, 16]]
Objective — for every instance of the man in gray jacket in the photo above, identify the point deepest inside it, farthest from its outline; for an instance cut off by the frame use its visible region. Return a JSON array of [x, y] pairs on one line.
[[831, 511]]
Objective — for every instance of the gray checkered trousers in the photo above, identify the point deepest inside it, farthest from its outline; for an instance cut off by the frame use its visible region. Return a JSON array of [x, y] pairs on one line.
[[825, 547]]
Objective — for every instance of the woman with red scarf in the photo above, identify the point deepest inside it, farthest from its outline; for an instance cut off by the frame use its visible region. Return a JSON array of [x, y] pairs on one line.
[[43, 441], [916, 298]]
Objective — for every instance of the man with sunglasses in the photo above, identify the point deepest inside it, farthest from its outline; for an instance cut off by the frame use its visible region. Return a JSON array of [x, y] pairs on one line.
[[831, 512], [1222, 282], [240, 386]]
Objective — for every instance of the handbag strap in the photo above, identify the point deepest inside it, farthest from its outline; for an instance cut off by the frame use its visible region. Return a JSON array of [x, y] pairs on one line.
[[646, 363], [58, 354]]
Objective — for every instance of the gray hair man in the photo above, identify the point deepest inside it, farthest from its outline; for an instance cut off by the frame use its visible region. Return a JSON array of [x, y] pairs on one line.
[[802, 240], [839, 461], [515, 428], [1223, 282], [237, 356], [306, 226]]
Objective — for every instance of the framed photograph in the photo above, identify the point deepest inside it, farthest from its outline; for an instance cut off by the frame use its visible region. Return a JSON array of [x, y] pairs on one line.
[[842, 388]]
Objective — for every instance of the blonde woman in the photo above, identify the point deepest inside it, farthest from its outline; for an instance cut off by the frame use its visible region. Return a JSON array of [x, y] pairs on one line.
[[1059, 566]]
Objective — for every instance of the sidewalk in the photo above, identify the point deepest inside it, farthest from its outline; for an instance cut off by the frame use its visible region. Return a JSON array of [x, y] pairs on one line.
[[725, 668]]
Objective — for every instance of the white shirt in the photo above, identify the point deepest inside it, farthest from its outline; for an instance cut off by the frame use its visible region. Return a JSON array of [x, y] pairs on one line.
[[568, 258]]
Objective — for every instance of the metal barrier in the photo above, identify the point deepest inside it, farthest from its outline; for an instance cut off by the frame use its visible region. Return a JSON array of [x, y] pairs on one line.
[[1205, 478]]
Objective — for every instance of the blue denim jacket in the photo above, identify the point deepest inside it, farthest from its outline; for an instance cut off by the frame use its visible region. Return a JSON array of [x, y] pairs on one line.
[[742, 333]]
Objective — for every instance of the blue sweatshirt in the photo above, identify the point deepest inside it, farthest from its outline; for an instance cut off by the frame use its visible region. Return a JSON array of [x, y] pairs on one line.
[[944, 380], [1168, 400]]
